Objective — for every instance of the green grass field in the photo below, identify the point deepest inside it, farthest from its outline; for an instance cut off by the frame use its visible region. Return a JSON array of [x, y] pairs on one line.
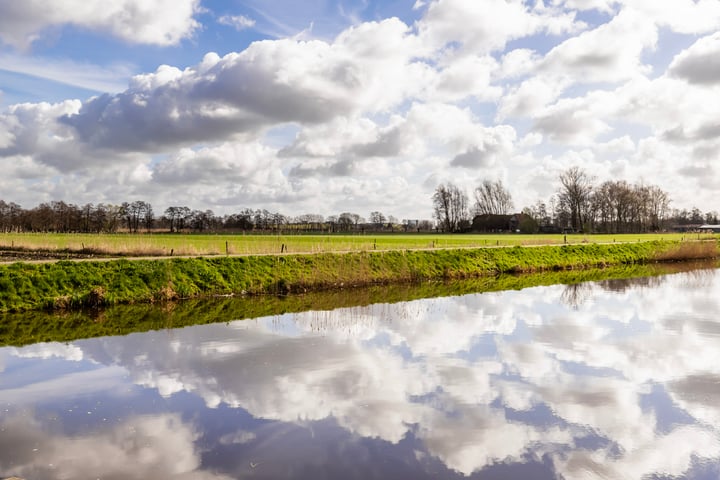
[[194, 244]]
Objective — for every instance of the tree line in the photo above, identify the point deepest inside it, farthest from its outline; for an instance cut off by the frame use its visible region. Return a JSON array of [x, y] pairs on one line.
[[580, 204], [139, 216]]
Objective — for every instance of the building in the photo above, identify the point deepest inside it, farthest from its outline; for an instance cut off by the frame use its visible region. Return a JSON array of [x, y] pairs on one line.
[[498, 223]]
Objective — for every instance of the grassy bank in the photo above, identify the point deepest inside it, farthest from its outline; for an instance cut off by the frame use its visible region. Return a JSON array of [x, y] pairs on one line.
[[67, 284], [37, 326]]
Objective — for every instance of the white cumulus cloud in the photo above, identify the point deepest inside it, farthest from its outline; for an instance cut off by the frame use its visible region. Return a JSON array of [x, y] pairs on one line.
[[162, 22]]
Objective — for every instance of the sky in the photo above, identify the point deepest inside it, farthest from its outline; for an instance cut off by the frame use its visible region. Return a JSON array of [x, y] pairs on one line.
[[327, 106]]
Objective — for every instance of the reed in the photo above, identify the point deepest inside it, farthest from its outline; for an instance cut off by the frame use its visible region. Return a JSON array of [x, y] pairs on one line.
[[692, 250]]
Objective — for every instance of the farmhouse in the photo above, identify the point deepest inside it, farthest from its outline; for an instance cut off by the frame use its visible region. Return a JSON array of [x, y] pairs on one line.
[[498, 223]]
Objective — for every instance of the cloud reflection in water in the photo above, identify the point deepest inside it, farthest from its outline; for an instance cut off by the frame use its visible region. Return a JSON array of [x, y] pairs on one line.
[[621, 381]]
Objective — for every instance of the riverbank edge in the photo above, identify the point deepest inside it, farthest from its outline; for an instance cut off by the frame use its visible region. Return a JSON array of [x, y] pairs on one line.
[[67, 285], [25, 328]]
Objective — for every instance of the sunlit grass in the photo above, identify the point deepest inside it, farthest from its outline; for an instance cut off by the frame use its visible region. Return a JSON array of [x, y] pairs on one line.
[[67, 284], [39, 326], [197, 244]]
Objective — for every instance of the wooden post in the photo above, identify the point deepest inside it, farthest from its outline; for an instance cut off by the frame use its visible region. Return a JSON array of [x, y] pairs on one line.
[[227, 248]]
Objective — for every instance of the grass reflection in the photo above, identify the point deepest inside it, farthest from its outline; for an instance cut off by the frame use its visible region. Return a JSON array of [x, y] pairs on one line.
[[19, 329]]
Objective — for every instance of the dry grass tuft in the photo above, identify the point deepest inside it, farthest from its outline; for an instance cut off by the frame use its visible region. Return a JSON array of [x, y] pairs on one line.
[[166, 293], [96, 297], [62, 302], [689, 251]]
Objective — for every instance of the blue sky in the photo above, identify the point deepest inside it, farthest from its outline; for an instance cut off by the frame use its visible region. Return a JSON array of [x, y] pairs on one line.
[[330, 106]]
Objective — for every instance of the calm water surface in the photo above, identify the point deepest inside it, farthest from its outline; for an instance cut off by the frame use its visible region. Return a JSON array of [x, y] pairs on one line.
[[610, 380]]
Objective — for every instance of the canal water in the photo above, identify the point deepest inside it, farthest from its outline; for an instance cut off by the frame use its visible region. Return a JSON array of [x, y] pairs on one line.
[[617, 379]]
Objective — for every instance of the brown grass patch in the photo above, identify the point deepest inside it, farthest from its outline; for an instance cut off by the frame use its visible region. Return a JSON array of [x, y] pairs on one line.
[[695, 250], [96, 297], [166, 293], [62, 302]]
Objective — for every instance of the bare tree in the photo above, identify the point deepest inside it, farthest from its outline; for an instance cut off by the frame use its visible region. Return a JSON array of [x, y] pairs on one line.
[[201, 221], [622, 208], [9, 214], [148, 217], [450, 206], [377, 218], [658, 204], [309, 222], [347, 220], [177, 216], [137, 213], [492, 198], [575, 191], [621, 201]]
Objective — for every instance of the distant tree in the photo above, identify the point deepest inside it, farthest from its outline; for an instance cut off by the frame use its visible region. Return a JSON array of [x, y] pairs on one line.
[[658, 204], [66, 217], [262, 219], [42, 218], [277, 220], [107, 217], [540, 213], [97, 218], [424, 226], [135, 214], [528, 223], [201, 221], [332, 221], [492, 198], [148, 217], [312, 218], [377, 219], [347, 220], [576, 187], [450, 207], [621, 197], [696, 216], [176, 217], [242, 220], [10, 214], [309, 222]]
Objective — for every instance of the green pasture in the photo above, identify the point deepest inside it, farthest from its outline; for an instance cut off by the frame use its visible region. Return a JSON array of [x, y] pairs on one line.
[[240, 244]]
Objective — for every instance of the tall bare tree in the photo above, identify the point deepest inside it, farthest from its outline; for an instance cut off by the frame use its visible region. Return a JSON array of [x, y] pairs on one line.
[[619, 207], [450, 206], [492, 198], [576, 189], [658, 204]]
